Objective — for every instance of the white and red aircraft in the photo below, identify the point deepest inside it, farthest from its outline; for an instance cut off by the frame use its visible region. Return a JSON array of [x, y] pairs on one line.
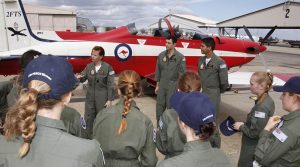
[[125, 47]]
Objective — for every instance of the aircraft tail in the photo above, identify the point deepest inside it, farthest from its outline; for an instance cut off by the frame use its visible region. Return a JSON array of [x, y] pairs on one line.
[[13, 28]]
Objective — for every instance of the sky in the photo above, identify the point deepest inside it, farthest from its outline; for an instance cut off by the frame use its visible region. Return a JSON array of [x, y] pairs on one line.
[[122, 12]]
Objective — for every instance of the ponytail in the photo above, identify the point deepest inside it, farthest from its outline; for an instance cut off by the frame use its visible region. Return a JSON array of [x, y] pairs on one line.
[[206, 131], [20, 119], [129, 86], [126, 109]]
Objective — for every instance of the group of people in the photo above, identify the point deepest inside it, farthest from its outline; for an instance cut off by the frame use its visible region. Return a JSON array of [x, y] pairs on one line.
[[36, 132]]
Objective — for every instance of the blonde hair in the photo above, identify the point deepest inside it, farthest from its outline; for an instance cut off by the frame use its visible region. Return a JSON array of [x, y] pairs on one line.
[[20, 118], [264, 77], [129, 85]]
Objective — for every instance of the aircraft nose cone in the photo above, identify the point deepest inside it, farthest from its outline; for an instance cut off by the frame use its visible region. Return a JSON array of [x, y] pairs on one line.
[[262, 48]]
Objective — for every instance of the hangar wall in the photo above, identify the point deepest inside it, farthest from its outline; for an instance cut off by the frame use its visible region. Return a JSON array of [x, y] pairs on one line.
[[44, 18]]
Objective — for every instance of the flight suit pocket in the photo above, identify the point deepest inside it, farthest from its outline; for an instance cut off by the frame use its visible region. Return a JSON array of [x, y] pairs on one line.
[[102, 80], [253, 123]]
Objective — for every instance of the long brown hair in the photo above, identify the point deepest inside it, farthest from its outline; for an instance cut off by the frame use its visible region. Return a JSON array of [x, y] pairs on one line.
[[189, 82], [129, 85], [20, 118]]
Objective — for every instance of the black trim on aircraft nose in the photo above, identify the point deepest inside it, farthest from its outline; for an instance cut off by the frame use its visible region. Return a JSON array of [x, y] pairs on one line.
[[253, 49]]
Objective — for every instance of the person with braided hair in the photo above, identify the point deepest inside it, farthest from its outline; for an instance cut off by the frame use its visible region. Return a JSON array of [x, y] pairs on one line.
[[126, 133], [34, 135], [70, 117], [260, 84]]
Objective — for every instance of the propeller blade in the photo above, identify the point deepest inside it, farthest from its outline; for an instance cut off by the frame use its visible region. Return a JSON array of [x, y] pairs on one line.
[[263, 60], [248, 33], [268, 35]]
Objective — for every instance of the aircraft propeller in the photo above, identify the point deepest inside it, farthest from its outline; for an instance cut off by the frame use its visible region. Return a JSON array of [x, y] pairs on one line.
[[262, 58]]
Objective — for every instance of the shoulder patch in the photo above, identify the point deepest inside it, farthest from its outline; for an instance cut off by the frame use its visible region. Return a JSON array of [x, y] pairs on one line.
[[223, 66], [82, 122], [111, 73]]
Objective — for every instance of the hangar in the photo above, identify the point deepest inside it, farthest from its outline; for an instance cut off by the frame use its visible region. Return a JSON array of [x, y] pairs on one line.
[[45, 18], [281, 16]]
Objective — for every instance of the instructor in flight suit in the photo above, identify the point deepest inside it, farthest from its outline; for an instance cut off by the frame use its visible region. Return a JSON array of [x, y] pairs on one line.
[[170, 64], [213, 73], [100, 76]]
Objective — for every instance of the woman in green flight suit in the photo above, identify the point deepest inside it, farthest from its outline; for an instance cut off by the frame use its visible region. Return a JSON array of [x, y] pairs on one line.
[[279, 142], [100, 76], [34, 134], [260, 84], [125, 133]]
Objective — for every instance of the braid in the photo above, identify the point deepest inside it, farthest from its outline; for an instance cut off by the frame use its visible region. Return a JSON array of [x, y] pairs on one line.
[[270, 80], [127, 106], [20, 119], [129, 84]]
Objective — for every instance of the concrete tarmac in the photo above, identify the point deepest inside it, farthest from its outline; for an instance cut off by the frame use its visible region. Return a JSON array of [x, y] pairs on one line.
[[237, 105]]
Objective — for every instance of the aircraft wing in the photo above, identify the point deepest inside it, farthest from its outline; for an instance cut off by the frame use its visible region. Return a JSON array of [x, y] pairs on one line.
[[243, 78]]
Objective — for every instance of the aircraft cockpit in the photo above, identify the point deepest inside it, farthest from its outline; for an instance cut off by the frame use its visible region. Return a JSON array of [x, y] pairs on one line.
[[164, 27]]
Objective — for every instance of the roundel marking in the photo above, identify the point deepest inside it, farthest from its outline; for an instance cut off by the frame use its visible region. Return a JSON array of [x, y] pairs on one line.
[[123, 52]]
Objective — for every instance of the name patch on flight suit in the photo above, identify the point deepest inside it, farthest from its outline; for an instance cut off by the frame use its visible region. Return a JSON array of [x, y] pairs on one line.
[[279, 135], [259, 114], [92, 72]]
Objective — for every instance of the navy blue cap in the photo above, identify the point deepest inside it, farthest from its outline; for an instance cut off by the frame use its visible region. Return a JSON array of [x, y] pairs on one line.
[[292, 86], [194, 109], [226, 127], [57, 72]]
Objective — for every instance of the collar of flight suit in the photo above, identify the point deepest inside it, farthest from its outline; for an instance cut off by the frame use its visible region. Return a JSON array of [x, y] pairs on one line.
[[292, 115], [173, 55], [48, 122], [197, 145], [213, 57], [94, 65]]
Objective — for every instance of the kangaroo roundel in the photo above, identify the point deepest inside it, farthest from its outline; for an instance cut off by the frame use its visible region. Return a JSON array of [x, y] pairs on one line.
[[123, 52]]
